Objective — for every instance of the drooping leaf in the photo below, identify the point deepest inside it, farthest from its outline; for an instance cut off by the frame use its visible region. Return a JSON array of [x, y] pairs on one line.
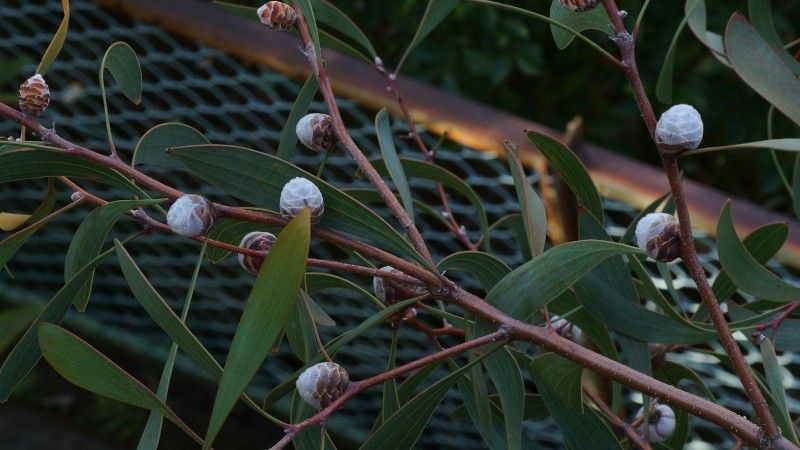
[[507, 379], [263, 317], [531, 206], [331, 16], [744, 270], [121, 61], [532, 285], [516, 225], [487, 269], [392, 162], [88, 241], [594, 19], [571, 170], [391, 402], [288, 142], [84, 366], [57, 43], [760, 12], [695, 10], [300, 331], [435, 13], [559, 383], [664, 83], [749, 54], [258, 178], [415, 168], [789, 145], [774, 379], [401, 430], [151, 150]]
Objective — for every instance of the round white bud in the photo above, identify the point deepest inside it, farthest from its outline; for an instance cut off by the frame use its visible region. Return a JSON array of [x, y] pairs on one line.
[[321, 384], [566, 329], [660, 423], [379, 285], [190, 215], [680, 128], [657, 235], [316, 132], [299, 193], [260, 241]]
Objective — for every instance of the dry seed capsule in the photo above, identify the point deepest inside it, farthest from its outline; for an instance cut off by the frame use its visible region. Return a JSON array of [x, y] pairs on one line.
[[322, 383], [277, 15], [260, 241], [34, 96], [191, 215], [657, 235], [299, 193], [316, 132]]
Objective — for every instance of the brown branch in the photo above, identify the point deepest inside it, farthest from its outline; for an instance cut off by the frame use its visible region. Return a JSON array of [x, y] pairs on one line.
[[775, 323], [355, 387], [627, 49], [344, 137], [624, 427]]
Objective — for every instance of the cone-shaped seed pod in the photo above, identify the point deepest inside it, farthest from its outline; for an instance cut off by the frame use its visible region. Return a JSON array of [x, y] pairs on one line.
[[322, 383], [277, 15], [34, 95], [657, 235], [260, 241]]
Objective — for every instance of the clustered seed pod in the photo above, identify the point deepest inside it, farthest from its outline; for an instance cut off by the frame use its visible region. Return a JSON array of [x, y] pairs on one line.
[[277, 15], [680, 128], [657, 235], [566, 329], [580, 5], [260, 241], [383, 289], [299, 193], [34, 96], [660, 423], [191, 215], [321, 384], [316, 132]]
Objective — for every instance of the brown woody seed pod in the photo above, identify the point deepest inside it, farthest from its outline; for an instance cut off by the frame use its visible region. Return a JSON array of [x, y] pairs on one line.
[[322, 383], [316, 132], [277, 15], [34, 96], [190, 215], [657, 235], [580, 5], [260, 241]]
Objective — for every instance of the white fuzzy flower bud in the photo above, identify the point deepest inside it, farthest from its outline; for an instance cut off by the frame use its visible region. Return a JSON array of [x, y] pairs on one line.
[[191, 215], [657, 235], [566, 329], [299, 193], [316, 132], [660, 424], [680, 128], [260, 241], [321, 384]]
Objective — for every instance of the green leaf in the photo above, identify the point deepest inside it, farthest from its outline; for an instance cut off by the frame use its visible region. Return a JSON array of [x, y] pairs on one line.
[[571, 170], [790, 145], [435, 13], [559, 384], [258, 178], [762, 244], [151, 150], [57, 43], [401, 430], [13, 322], [695, 10], [263, 317], [772, 372], [531, 206], [415, 168], [795, 191], [88, 241], [664, 83], [673, 373], [331, 16], [391, 401], [311, 22], [744, 270], [392, 162], [10, 221], [300, 331], [507, 379], [26, 353], [760, 12], [487, 269], [516, 225], [84, 366], [167, 320], [121, 61], [11, 244], [749, 54], [532, 285], [407, 388], [594, 19], [787, 338], [317, 282], [288, 142]]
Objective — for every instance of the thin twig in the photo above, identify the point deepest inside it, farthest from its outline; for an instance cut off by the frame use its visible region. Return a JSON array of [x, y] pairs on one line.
[[618, 423], [775, 323]]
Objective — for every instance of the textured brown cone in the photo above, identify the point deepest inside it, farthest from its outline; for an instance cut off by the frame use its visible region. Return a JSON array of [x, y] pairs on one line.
[[34, 96], [277, 15]]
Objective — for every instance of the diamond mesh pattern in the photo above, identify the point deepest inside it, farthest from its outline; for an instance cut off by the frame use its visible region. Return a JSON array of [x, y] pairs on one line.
[[246, 105]]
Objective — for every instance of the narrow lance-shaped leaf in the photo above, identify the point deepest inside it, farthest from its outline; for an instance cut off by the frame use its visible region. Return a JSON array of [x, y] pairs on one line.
[[695, 10], [664, 83], [386, 142], [531, 206], [744, 270], [88, 240], [151, 149], [121, 61], [84, 366], [328, 14], [507, 379], [595, 19], [789, 145], [288, 142], [435, 13], [760, 12], [487, 269], [749, 54], [57, 43], [772, 372], [263, 317], [11, 244]]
